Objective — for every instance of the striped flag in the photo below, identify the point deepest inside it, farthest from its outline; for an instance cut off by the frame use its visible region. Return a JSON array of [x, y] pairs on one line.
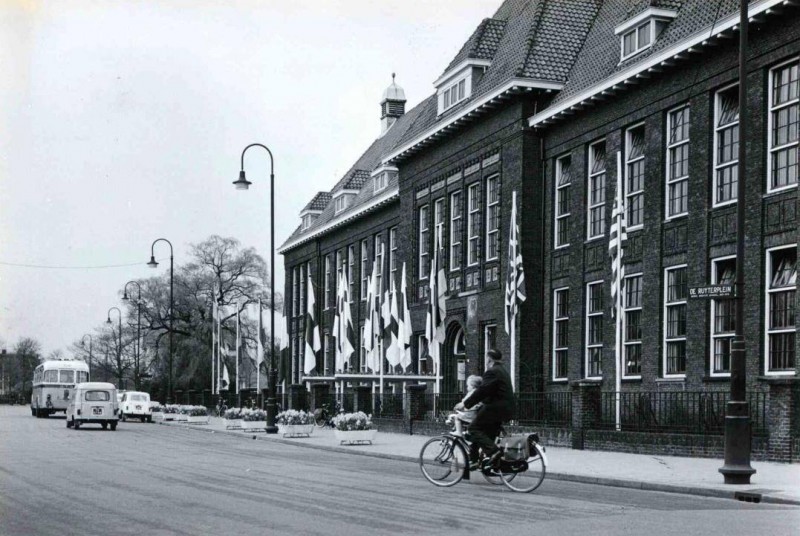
[[616, 243], [226, 380], [437, 310], [343, 324], [404, 329], [515, 282], [394, 353], [313, 344]]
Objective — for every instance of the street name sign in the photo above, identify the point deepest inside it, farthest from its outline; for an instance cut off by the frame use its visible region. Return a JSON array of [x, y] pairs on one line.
[[711, 291]]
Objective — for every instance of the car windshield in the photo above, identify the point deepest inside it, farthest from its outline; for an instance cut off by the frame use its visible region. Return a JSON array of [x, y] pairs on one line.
[[97, 396], [139, 398]]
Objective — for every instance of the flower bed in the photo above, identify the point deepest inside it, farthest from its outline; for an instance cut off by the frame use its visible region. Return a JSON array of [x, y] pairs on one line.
[[295, 423], [354, 428], [171, 412], [245, 419], [195, 414]]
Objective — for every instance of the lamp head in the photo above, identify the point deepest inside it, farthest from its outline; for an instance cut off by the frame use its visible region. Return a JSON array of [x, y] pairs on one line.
[[125, 295], [242, 183], [152, 263], [108, 320]]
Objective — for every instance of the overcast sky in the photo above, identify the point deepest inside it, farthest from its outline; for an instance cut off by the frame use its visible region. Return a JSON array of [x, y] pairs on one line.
[[123, 121]]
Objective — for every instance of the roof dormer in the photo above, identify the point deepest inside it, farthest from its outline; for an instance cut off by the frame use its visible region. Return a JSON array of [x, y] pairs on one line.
[[456, 84], [639, 32], [382, 176], [343, 199], [313, 209]]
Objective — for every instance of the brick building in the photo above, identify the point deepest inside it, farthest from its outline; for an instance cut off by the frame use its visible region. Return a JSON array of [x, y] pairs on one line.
[[540, 101]]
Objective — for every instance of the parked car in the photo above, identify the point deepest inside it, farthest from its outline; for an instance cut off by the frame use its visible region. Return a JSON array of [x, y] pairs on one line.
[[135, 405], [93, 403]]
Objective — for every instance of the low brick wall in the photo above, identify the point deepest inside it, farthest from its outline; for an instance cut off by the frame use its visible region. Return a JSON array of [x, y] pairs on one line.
[[698, 446]]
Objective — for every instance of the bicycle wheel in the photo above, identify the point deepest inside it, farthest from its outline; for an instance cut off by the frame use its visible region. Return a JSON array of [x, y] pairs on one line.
[[530, 479], [443, 461]]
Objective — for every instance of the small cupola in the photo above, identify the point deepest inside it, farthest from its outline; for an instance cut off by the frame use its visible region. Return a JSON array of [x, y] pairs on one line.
[[393, 105]]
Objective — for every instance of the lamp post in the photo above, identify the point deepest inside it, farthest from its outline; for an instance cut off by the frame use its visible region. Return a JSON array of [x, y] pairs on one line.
[[119, 342], [154, 264], [138, 327], [90, 351], [243, 184]]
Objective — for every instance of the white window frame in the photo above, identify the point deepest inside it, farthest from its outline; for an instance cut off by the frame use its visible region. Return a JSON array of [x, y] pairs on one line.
[[351, 263], [421, 342], [439, 219], [772, 109], [364, 268], [327, 281], [393, 254], [492, 255], [588, 346], [341, 203], [602, 202], [296, 291], [303, 289], [556, 348], [734, 163], [767, 294], [665, 321], [473, 212], [561, 190], [380, 249], [712, 336], [326, 354], [306, 222], [625, 311], [362, 355], [486, 347], [629, 195], [454, 93], [380, 181], [456, 232], [637, 48], [670, 181], [423, 217]]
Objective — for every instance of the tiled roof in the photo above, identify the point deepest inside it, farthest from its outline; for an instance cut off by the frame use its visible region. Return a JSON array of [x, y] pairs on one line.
[[482, 44], [357, 179], [599, 58], [319, 202]]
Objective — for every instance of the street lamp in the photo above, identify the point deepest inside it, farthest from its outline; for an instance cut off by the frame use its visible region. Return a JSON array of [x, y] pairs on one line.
[[90, 351], [154, 264], [243, 184], [119, 342], [138, 326]]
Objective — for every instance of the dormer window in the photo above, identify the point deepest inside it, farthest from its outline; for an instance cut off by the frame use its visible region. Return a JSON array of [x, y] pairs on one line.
[[456, 84], [640, 32], [454, 94], [307, 219], [381, 177], [343, 199]]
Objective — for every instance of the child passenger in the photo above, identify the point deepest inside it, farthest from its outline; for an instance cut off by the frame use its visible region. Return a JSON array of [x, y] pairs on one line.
[[467, 416]]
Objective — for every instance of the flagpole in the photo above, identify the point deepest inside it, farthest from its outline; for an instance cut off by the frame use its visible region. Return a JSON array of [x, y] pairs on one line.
[[618, 303], [259, 356], [514, 316], [237, 349], [213, 334]]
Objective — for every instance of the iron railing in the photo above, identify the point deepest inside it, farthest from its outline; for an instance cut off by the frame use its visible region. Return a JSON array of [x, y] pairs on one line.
[[544, 409]]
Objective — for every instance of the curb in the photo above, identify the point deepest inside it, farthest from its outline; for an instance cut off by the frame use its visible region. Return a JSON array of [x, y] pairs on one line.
[[743, 496]]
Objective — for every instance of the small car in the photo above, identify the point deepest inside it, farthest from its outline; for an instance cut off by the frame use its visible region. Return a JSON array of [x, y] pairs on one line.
[[93, 403], [135, 405]]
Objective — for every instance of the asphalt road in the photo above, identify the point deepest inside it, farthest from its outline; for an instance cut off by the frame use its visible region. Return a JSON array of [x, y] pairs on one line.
[[149, 479]]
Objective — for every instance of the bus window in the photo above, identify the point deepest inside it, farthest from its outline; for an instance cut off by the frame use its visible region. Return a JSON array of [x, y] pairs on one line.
[[82, 376], [51, 376], [97, 396], [66, 376]]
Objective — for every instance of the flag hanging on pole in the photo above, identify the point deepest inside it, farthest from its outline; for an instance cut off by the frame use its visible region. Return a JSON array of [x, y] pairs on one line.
[[284, 366], [375, 314], [515, 281], [434, 324], [260, 349], [405, 331], [368, 339], [225, 378], [617, 238], [343, 324], [313, 344], [394, 354]]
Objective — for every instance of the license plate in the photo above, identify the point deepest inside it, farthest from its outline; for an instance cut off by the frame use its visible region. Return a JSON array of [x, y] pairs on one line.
[[97, 411]]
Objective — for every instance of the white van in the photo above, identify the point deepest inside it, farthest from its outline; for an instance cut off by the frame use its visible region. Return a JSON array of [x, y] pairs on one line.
[[135, 405], [94, 402]]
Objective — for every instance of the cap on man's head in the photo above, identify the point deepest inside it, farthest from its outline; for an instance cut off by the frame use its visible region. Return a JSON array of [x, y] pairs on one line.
[[494, 355]]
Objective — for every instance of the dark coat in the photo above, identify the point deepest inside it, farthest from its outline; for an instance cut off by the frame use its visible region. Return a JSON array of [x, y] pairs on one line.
[[495, 392]]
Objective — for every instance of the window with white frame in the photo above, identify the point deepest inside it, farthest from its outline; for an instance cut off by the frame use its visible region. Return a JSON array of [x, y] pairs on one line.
[[784, 124], [723, 317], [379, 251], [424, 243], [594, 329], [633, 325], [678, 162], [393, 254], [307, 221], [455, 230], [341, 202], [560, 333], [380, 181], [326, 354], [781, 321], [726, 145], [296, 291], [328, 293], [351, 262], [493, 217], [563, 191], [364, 268], [454, 94], [676, 292], [597, 190], [439, 220], [303, 292], [637, 39], [473, 223], [489, 341], [634, 176], [424, 363], [363, 353]]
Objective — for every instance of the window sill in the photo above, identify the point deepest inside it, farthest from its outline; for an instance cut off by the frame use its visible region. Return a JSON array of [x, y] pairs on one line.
[[713, 379], [779, 191], [633, 379], [677, 217], [671, 379]]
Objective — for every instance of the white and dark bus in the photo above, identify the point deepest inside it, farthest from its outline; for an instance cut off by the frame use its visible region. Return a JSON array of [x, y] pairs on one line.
[[54, 385]]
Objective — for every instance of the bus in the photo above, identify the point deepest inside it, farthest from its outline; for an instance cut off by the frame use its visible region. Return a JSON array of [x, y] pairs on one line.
[[54, 385]]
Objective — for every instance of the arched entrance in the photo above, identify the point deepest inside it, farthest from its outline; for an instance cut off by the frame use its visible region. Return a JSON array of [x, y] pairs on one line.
[[454, 362]]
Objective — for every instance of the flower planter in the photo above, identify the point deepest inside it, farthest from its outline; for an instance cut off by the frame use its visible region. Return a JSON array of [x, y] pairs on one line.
[[234, 424], [158, 416], [170, 417], [355, 437], [181, 417], [295, 430], [254, 426], [197, 419]]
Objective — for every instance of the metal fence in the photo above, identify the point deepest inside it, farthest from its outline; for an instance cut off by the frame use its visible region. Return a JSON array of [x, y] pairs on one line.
[[544, 409], [694, 412]]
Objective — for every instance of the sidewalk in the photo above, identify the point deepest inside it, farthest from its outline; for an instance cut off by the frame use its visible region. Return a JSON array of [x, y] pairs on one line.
[[773, 482]]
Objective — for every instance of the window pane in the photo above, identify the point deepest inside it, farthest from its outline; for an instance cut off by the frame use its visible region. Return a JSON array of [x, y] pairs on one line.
[[633, 359], [676, 321], [644, 35], [676, 357], [781, 351], [66, 376], [785, 84], [782, 310], [728, 106], [784, 268], [679, 125], [677, 287]]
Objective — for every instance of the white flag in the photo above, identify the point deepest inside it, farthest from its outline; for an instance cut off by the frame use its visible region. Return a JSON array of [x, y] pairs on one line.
[[313, 343]]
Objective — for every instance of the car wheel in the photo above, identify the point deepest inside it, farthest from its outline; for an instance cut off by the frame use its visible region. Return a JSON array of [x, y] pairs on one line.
[[76, 424], [104, 425], [113, 426], [69, 424]]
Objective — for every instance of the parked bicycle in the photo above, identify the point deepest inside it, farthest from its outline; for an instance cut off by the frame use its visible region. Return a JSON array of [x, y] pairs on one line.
[[444, 460], [323, 415]]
